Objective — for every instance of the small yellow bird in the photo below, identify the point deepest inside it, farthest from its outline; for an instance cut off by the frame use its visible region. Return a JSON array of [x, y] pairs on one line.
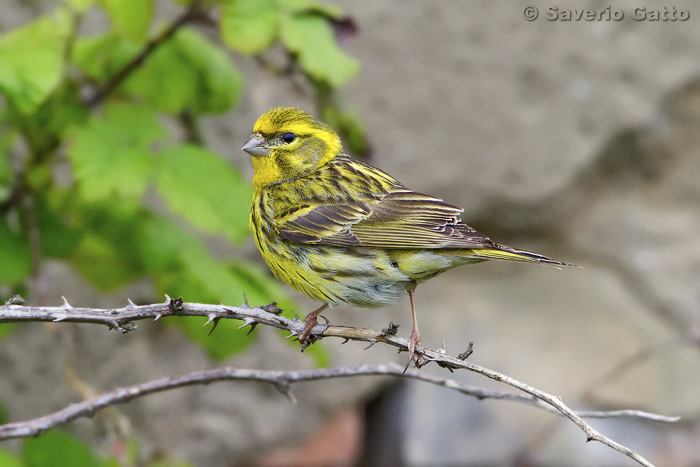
[[342, 231]]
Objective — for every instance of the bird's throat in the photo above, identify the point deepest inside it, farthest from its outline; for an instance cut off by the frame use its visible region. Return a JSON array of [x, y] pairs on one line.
[[266, 171]]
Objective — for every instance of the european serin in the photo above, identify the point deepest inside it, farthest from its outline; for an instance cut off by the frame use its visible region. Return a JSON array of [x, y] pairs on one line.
[[342, 231]]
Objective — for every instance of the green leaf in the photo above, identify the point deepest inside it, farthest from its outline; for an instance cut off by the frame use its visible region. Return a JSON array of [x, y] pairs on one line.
[[5, 330], [167, 80], [57, 449], [58, 239], [111, 154], [32, 61], [7, 136], [199, 76], [63, 109], [219, 83], [130, 18], [6, 176], [101, 57], [103, 264], [3, 416], [107, 253], [44, 130], [260, 287], [248, 26], [183, 267], [311, 37], [193, 274], [205, 190], [8, 460], [15, 256]]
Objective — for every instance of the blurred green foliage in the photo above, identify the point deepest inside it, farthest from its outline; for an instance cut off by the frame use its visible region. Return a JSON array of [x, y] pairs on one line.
[[3, 415], [59, 449], [89, 135]]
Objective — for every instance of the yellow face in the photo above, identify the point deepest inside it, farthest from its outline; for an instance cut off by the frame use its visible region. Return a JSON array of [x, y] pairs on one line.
[[288, 143]]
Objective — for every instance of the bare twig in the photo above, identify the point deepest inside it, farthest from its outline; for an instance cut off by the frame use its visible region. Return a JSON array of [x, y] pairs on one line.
[[281, 379], [192, 13], [122, 320]]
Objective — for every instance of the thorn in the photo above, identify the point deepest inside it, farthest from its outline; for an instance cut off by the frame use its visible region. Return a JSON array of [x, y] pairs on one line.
[[211, 317], [296, 315], [247, 322], [66, 305], [158, 316], [15, 300], [465, 355], [442, 350], [167, 299], [60, 318], [371, 343], [131, 304], [347, 339], [589, 439], [291, 334], [216, 323], [283, 387], [245, 301]]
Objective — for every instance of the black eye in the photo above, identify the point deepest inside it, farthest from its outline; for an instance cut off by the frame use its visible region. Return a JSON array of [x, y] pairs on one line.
[[288, 137]]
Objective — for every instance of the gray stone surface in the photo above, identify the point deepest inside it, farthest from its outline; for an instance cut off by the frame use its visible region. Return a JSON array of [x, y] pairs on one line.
[[575, 139]]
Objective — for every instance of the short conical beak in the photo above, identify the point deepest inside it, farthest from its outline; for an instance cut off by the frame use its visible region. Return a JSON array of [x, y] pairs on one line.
[[256, 147]]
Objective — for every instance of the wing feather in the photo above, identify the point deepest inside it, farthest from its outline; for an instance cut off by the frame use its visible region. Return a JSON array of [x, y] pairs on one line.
[[397, 218]]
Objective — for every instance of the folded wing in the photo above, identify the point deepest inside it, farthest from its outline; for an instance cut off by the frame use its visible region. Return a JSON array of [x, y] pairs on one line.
[[400, 218]]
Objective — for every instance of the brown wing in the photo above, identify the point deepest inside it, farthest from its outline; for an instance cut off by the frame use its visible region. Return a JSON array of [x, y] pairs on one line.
[[399, 219]]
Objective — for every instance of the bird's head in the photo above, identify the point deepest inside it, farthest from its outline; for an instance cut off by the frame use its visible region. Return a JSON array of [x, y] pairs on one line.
[[288, 143]]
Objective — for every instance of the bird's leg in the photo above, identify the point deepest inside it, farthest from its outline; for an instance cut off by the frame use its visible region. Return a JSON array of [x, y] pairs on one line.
[[310, 321], [415, 334]]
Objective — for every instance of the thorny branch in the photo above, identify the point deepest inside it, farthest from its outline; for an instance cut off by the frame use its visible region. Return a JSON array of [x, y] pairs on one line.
[[123, 319], [282, 380]]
